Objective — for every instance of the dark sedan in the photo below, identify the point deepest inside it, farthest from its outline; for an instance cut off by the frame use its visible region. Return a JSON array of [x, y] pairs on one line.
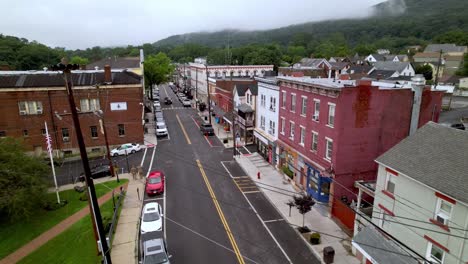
[[98, 172]]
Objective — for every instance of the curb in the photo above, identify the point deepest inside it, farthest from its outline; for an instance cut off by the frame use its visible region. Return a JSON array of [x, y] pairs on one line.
[[314, 251]]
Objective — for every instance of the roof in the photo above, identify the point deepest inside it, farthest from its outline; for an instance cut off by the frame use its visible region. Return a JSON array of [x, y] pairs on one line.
[[21, 79], [323, 82], [446, 78], [116, 63], [381, 248], [242, 88], [436, 156], [381, 74], [454, 58], [356, 68], [245, 108], [445, 48], [391, 66], [338, 65], [378, 57], [310, 62], [427, 55]]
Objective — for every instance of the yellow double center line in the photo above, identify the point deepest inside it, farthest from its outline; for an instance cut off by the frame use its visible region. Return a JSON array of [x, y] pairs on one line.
[[183, 130], [221, 215]]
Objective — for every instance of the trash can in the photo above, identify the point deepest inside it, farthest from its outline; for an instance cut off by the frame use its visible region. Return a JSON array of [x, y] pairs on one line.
[[328, 255]]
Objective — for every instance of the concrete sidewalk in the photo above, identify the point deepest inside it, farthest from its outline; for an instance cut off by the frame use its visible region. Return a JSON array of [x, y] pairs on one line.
[[125, 243], [317, 219], [219, 130]]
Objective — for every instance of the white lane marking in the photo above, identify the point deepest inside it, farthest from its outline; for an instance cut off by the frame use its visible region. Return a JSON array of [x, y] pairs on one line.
[[252, 192], [143, 159], [274, 220], [261, 220], [247, 150], [154, 199], [222, 164], [151, 163], [164, 209]]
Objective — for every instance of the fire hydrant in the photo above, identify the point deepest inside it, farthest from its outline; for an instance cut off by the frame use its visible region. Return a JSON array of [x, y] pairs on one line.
[[258, 175]]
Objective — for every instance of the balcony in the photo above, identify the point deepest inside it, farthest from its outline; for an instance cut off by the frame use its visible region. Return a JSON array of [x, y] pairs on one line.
[[245, 123]]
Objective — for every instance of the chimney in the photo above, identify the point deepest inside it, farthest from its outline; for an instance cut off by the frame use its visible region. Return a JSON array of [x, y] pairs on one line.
[[107, 74], [418, 85]]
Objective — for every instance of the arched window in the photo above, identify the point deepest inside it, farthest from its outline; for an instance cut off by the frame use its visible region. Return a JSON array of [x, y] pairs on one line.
[[247, 73], [216, 74], [231, 74], [255, 73], [239, 73]]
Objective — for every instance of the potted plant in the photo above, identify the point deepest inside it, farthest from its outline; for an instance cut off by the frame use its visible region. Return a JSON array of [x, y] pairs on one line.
[[315, 238], [288, 172]]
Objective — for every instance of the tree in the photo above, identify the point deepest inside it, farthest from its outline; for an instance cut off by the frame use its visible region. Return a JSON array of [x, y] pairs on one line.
[[79, 60], [458, 37], [23, 185], [425, 70], [304, 204], [464, 69], [158, 69]]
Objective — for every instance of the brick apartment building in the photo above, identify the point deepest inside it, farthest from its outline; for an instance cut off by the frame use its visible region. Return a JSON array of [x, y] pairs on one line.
[[221, 91], [330, 133], [28, 99]]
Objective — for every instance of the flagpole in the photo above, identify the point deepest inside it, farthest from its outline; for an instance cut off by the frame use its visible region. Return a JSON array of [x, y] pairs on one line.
[[49, 149]]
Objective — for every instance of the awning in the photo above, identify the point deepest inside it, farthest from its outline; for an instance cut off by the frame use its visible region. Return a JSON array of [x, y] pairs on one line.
[[218, 111], [378, 248], [228, 117]]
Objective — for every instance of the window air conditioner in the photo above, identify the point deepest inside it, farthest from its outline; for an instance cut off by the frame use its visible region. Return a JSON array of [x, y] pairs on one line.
[[66, 139], [22, 112]]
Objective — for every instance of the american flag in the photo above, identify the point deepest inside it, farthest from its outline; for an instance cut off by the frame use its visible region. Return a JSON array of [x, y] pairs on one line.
[[49, 143]]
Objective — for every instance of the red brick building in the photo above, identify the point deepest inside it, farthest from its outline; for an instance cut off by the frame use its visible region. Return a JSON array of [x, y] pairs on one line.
[[28, 99], [330, 133], [222, 94]]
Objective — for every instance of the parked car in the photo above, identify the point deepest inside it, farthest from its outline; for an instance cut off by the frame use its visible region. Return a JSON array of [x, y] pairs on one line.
[[207, 129], [155, 183], [167, 100], [151, 218], [125, 149], [155, 251], [98, 171], [460, 126], [186, 103], [157, 109], [182, 98], [157, 103], [159, 119], [156, 97], [158, 115], [161, 129]]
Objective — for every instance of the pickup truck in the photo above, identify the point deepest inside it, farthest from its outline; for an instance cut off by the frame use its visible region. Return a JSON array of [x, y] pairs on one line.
[[207, 129]]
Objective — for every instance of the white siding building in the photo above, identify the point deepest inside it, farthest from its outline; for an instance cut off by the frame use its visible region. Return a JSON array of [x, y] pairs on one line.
[[267, 112], [421, 198]]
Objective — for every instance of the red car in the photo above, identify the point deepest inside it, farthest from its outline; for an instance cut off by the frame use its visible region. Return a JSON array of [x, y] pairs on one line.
[[155, 183]]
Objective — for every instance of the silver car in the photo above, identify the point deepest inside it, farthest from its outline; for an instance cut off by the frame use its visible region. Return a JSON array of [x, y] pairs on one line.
[[155, 252]]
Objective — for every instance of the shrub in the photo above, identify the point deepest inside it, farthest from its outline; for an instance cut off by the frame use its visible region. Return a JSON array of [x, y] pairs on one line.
[[315, 238], [84, 196], [288, 172]]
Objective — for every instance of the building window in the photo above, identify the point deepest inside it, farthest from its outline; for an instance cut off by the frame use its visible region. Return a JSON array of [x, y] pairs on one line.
[[302, 139], [283, 123], [262, 100], [435, 253], [390, 183], [291, 130], [65, 135], [43, 131], [87, 105], [283, 99], [30, 108], [331, 114], [94, 133], [315, 117], [304, 106], [273, 103], [121, 130], [25, 133], [329, 148], [293, 103], [2, 133], [262, 122], [314, 144], [271, 131], [443, 211]]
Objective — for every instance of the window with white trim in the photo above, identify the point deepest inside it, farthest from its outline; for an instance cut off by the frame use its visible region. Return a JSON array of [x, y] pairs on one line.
[[293, 103], [271, 131], [283, 99], [291, 130], [262, 100], [443, 211], [390, 183], [87, 105], [331, 114], [121, 128], [314, 144], [304, 106], [329, 149], [262, 122], [316, 115], [65, 135], [283, 124], [30, 107], [273, 103], [302, 138], [435, 253]]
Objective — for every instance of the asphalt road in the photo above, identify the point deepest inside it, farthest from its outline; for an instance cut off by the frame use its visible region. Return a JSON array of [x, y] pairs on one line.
[[208, 216]]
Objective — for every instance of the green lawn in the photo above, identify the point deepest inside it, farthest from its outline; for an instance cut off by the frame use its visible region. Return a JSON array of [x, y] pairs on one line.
[[14, 235], [74, 245]]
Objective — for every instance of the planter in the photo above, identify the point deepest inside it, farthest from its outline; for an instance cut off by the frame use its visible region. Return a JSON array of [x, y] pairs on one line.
[[314, 238], [303, 229]]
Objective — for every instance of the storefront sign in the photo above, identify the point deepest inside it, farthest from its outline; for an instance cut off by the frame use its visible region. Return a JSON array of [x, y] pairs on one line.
[[120, 106], [262, 138]]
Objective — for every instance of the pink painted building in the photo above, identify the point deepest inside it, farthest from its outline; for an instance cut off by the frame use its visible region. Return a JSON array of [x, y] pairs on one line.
[[331, 131]]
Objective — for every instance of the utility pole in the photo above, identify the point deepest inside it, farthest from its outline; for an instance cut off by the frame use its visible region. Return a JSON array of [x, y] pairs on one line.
[[96, 213], [102, 123], [196, 87], [234, 139], [436, 81], [208, 90]]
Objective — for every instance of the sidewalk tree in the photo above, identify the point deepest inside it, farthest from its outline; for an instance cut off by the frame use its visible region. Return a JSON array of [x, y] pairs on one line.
[[23, 184], [158, 69], [304, 204]]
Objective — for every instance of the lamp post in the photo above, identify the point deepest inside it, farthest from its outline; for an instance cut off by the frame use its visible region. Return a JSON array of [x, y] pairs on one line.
[[94, 205]]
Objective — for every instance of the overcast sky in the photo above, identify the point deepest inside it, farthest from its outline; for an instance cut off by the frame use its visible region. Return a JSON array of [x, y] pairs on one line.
[[87, 23]]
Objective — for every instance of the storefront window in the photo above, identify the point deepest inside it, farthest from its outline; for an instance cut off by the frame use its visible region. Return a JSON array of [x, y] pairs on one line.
[[325, 188]]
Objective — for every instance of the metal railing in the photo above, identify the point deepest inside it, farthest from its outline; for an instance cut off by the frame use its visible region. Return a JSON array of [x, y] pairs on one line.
[[116, 213]]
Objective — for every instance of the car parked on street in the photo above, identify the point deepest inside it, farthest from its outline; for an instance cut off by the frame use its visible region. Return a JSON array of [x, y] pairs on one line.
[[158, 115], [125, 149], [157, 109], [167, 100], [155, 183], [98, 171], [155, 251], [157, 103], [161, 129], [186, 103], [207, 129], [151, 218]]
